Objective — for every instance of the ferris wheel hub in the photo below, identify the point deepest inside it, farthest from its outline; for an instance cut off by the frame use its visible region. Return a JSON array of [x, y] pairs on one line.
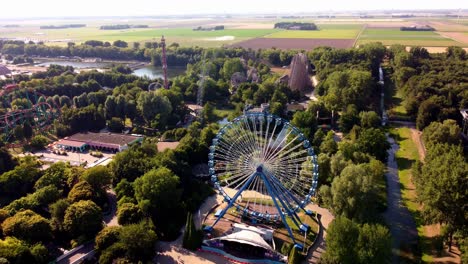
[[260, 168]]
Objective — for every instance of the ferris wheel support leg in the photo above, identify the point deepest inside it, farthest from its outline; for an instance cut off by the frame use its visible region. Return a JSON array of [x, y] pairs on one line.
[[291, 212], [308, 212], [233, 200], [273, 197]]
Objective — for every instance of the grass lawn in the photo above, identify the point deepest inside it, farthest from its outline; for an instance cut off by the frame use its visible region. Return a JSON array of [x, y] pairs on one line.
[[397, 110], [222, 113], [410, 38], [406, 156]]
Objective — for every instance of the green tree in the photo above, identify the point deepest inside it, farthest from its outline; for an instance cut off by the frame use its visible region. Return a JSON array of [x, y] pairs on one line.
[[115, 125], [81, 191], [19, 181], [353, 194], [154, 108], [129, 213], [337, 164], [208, 113], [348, 118], [29, 226], [374, 142], [99, 177], [369, 119], [342, 236], [15, 251], [7, 162], [106, 237], [56, 175], [39, 142], [83, 218], [348, 242], [132, 163], [441, 184], [158, 187], [329, 145], [57, 211], [232, 66], [120, 44], [446, 132], [40, 253], [124, 189], [306, 121], [140, 240], [158, 195]]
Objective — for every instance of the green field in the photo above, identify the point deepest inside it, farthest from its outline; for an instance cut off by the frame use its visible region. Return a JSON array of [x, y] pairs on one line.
[[183, 36], [326, 31], [410, 38]]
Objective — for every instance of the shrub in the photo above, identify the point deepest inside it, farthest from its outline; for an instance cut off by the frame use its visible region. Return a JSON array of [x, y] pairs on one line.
[[39, 142]]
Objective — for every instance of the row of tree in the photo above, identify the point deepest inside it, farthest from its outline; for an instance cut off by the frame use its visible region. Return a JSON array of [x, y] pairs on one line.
[[433, 85], [441, 183]]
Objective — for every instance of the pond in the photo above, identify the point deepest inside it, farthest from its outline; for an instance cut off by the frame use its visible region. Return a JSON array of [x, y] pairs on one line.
[[149, 71], [75, 64], [153, 72]]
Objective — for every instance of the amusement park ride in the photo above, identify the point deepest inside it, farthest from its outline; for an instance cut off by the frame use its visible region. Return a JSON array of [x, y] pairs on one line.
[[36, 111], [266, 170]]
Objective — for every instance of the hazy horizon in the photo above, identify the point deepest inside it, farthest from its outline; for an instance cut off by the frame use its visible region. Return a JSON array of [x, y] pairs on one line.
[[92, 8]]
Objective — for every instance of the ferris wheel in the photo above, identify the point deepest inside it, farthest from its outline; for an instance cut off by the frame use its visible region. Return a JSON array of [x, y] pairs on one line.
[[265, 168]]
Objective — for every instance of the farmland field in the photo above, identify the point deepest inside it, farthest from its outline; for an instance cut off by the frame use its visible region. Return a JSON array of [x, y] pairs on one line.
[[183, 36], [249, 32], [326, 31], [294, 43], [410, 38]]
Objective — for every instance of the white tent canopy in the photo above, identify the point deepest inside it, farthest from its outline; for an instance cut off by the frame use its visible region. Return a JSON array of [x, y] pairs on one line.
[[247, 237]]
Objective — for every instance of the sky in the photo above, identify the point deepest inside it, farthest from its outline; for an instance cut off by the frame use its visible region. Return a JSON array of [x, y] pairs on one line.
[[67, 8]]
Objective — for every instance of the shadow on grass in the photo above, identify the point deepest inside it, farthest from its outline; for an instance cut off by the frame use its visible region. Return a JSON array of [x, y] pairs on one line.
[[404, 163]]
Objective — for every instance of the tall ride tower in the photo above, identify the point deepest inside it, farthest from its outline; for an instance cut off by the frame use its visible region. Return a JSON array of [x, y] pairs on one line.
[[164, 62]]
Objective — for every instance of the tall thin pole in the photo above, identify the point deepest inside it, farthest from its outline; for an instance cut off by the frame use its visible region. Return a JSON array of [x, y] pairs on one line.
[[164, 62]]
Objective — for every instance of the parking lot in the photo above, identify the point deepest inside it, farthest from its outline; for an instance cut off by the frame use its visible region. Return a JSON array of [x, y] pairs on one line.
[[75, 158]]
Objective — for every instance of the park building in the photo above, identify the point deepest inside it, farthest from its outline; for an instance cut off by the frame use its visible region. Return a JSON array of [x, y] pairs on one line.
[[111, 142]]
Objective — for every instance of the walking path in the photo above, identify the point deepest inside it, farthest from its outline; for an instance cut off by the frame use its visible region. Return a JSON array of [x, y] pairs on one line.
[[111, 218], [398, 217], [325, 219]]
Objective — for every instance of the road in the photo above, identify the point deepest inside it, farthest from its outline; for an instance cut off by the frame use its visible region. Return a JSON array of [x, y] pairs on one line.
[[398, 217], [73, 258]]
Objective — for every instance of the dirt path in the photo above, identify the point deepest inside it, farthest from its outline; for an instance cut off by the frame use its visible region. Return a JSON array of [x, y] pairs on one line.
[[325, 219], [398, 217], [416, 137]]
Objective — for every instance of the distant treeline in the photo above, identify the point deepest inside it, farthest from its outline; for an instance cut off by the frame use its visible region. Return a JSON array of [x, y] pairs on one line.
[[402, 16], [11, 26], [414, 28], [63, 26], [208, 28], [296, 26], [117, 27]]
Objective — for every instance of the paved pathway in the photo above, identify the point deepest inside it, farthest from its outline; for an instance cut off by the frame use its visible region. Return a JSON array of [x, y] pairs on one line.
[[397, 216], [324, 220], [111, 218]]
